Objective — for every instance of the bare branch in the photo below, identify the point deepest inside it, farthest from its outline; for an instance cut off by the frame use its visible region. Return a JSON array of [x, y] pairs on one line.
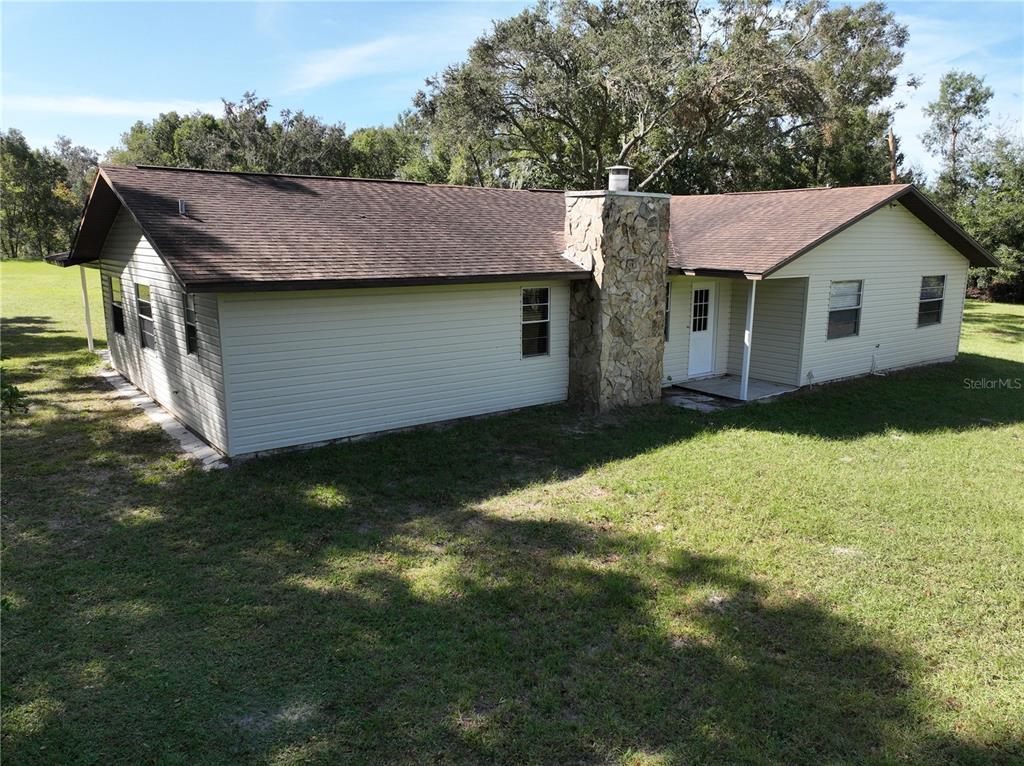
[[661, 167]]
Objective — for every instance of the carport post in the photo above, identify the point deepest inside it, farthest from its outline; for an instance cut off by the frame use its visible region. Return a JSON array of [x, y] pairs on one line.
[[748, 337], [85, 304]]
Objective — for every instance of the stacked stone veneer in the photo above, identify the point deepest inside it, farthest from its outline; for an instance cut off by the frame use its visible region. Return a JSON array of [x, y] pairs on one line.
[[617, 319]]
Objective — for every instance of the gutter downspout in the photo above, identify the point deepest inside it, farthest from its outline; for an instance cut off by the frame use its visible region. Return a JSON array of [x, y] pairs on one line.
[[85, 305], [748, 337]]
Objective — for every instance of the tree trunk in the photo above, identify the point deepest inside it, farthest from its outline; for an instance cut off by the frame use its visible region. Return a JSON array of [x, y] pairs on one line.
[[954, 169], [892, 156]]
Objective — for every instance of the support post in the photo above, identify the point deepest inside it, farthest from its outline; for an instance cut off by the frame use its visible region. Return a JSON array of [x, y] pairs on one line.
[[748, 338], [85, 305]]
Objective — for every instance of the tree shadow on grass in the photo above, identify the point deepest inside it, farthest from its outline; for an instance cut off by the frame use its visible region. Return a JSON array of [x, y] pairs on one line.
[[464, 638], [357, 602], [360, 603], [973, 392], [1006, 327], [37, 336]]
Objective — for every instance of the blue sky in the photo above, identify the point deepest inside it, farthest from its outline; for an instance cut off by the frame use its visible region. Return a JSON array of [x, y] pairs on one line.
[[88, 70]]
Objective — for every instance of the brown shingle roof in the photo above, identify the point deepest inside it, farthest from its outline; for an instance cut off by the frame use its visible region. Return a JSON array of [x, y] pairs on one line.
[[266, 229], [759, 232], [755, 232], [246, 231]]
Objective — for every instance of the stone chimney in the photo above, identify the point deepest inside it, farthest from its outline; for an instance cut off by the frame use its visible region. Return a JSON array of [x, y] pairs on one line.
[[617, 319]]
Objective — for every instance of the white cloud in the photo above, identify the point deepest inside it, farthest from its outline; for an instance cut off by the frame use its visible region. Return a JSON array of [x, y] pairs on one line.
[[105, 107], [268, 19], [335, 64], [938, 45], [422, 46]]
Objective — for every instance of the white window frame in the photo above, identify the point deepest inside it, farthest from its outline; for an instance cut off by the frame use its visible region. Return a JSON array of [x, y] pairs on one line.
[[145, 318], [941, 300], [116, 303], [859, 308], [523, 322], [703, 317], [188, 309]]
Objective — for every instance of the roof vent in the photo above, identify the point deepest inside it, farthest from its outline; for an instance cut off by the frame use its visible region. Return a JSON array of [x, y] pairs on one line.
[[181, 208], [618, 178]]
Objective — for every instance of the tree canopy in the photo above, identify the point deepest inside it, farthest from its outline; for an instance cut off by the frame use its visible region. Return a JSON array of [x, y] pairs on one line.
[[990, 205], [956, 119], [43, 193], [243, 138], [699, 96], [745, 94], [981, 180]]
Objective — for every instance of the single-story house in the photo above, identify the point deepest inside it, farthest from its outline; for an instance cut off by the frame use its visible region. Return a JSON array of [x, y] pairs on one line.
[[271, 311]]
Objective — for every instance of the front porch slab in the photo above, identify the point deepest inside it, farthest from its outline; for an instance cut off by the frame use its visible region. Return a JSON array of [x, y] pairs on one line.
[[728, 386]]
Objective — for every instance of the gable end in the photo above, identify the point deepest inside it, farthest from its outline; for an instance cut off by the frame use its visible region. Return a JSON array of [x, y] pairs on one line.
[[914, 200]]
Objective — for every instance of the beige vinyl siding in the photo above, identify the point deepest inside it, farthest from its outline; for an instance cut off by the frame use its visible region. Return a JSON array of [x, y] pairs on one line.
[[190, 387], [727, 289], [307, 367], [677, 349], [778, 330], [890, 251]]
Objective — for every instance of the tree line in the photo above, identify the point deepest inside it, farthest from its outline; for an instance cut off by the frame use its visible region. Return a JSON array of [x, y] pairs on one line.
[[737, 96], [42, 194]]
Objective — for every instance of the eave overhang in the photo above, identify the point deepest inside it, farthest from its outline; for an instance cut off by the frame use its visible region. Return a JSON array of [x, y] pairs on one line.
[[339, 284]]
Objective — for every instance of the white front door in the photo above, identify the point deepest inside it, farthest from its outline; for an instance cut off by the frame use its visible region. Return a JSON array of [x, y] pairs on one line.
[[702, 329]]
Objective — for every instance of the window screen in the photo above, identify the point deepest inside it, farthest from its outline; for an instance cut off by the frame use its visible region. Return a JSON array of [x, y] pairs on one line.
[[929, 309], [536, 322], [844, 303], [191, 330], [147, 338], [116, 304]]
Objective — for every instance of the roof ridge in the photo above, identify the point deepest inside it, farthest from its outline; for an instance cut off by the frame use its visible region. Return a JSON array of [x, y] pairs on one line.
[[494, 188], [267, 175], [805, 189], [317, 177]]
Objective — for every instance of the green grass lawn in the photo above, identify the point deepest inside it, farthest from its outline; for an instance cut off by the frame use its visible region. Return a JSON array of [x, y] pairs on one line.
[[42, 310], [835, 577]]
